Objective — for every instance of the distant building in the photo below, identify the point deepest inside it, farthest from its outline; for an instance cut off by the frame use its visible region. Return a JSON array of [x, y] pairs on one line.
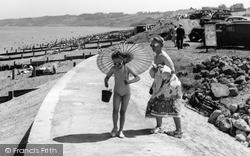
[[209, 8], [237, 7], [223, 7]]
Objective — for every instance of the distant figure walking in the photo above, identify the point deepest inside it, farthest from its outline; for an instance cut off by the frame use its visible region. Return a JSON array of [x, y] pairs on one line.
[[122, 91], [180, 36], [173, 33]]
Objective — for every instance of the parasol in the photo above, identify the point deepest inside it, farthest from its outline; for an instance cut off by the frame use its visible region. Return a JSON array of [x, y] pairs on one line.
[[139, 58]]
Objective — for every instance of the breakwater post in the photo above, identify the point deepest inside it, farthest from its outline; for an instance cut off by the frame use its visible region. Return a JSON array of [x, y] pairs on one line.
[[11, 95], [34, 71], [13, 74]]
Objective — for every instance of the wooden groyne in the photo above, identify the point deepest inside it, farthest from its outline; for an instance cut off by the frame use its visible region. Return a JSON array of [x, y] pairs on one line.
[[89, 42], [41, 62], [15, 93], [37, 51]]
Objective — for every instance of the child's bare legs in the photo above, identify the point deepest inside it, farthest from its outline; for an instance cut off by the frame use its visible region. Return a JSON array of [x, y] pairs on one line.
[[177, 121], [125, 101], [158, 128], [116, 105], [158, 121], [117, 101], [178, 132]]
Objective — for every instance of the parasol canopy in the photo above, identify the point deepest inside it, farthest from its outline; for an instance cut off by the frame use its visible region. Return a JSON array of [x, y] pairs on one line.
[[139, 59]]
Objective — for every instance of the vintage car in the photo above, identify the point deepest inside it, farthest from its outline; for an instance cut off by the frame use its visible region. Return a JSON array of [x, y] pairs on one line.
[[236, 18], [236, 33], [197, 34], [220, 25], [218, 16], [199, 14]]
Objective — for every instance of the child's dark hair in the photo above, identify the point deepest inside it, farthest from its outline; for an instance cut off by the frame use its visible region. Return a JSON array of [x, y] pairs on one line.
[[124, 57], [116, 55]]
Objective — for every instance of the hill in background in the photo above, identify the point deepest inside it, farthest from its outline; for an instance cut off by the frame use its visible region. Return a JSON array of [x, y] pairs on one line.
[[96, 19]]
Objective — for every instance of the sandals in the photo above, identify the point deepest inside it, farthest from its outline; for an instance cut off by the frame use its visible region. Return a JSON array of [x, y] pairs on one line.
[[176, 134], [113, 133], [157, 130], [121, 135]]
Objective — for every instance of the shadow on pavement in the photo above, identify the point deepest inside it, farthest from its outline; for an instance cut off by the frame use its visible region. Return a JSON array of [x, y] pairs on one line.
[[83, 138], [89, 138], [134, 133]]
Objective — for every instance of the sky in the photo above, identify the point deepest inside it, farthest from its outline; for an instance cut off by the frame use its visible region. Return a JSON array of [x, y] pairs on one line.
[[38, 8]]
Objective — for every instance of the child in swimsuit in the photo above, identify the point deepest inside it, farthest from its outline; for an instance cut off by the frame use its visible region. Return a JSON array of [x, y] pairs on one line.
[[122, 91]]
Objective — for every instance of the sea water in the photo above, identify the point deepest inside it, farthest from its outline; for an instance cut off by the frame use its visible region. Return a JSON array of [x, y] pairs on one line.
[[12, 38]]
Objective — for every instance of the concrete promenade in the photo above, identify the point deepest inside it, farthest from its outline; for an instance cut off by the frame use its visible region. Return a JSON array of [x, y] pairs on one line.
[[73, 114]]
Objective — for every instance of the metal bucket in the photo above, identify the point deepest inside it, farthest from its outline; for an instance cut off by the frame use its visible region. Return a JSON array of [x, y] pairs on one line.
[[106, 95]]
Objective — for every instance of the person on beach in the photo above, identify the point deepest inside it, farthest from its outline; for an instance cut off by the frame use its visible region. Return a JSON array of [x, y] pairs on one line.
[[122, 91], [180, 36], [173, 33], [166, 90]]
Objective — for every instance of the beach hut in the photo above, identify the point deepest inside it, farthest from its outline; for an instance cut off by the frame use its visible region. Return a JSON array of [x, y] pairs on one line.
[[144, 27]]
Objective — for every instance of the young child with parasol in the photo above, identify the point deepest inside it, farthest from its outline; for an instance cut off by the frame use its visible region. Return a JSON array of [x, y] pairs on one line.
[[122, 61]]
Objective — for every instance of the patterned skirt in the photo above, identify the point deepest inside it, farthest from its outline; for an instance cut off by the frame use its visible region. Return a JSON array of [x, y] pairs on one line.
[[162, 107]]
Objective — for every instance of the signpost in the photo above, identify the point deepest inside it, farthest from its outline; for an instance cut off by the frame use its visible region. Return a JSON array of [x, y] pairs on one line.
[[210, 36]]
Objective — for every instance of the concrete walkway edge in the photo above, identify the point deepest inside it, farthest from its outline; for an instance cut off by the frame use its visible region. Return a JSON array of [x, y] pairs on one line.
[[41, 129]]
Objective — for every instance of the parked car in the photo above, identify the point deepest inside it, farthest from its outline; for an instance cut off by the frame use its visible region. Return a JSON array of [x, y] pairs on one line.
[[236, 18], [218, 16], [197, 34], [199, 14], [236, 33], [231, 19]]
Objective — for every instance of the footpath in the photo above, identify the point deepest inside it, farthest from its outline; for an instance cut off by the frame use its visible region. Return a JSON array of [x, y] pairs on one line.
[[73, 114]]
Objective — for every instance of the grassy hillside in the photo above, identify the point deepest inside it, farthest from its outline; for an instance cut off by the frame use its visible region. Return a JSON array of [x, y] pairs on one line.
[[96, 19]]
